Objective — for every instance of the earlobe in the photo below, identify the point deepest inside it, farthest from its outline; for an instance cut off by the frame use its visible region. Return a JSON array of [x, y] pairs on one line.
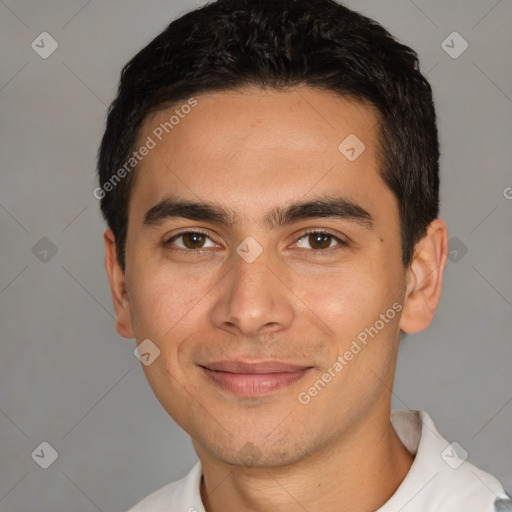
[[116, 277], [424, 278]]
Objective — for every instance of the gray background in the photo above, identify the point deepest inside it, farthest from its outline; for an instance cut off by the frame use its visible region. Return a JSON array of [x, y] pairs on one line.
[[67, 378]]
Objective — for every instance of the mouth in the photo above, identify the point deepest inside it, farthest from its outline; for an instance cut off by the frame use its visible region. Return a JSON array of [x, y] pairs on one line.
[[253, 379]]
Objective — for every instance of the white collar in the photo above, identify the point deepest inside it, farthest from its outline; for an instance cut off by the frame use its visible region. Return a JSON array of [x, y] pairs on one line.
[[439, 479]]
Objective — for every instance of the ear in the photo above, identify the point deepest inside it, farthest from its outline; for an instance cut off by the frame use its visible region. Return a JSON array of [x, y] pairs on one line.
[[424, 278], [116, 276]]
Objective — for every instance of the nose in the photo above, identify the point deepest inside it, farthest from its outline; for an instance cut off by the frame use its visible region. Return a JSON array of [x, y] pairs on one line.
[[252, 300]]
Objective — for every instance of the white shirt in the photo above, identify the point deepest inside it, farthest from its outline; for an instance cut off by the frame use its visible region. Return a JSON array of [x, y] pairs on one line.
[[439, 480]]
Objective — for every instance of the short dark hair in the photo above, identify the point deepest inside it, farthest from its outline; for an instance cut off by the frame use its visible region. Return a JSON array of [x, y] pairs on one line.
[[230, 44]]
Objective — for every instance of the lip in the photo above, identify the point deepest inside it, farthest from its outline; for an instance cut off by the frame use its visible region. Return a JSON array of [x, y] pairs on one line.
[[253, 379]]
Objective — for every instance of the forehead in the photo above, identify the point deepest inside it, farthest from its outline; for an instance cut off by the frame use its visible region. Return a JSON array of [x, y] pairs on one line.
[[253, 146]]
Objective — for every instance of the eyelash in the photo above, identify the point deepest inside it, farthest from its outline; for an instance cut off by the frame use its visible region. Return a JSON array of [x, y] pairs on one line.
[[341, 243]]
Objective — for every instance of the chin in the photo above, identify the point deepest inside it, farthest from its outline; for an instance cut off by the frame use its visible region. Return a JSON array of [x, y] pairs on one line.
[[262, 452]]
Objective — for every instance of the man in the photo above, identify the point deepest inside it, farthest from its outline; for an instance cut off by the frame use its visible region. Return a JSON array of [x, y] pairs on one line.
[[269, 175]]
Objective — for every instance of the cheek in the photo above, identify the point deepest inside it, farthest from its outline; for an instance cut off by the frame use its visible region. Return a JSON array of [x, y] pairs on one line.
[[164, 298], [361, 306], [350, 298], [169, 306]]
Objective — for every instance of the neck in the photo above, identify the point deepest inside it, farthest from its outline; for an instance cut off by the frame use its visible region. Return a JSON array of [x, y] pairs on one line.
[[360, 472]]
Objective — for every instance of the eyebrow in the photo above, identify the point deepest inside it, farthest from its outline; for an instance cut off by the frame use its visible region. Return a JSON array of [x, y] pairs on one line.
[[319, 207]]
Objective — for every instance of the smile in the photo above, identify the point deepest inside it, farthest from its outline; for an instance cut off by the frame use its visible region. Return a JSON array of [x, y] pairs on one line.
[[253, 379]]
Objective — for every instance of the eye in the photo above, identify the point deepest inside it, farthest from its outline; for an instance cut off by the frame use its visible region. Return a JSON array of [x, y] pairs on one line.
[[190, 240], [196, 240], [319, 240]]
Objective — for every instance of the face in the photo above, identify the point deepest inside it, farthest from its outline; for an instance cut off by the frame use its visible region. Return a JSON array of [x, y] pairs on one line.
[[264, 263]]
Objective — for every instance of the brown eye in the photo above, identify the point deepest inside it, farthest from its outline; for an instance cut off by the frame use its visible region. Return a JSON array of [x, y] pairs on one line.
[[190, 240], [193, 240], [319, 240]]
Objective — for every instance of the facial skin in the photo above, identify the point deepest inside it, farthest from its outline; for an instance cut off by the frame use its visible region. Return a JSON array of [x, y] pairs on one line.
[[302, 301]]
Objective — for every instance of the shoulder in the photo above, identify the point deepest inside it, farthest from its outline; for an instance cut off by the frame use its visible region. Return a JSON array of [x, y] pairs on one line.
[[441, 478], [180, 495]]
